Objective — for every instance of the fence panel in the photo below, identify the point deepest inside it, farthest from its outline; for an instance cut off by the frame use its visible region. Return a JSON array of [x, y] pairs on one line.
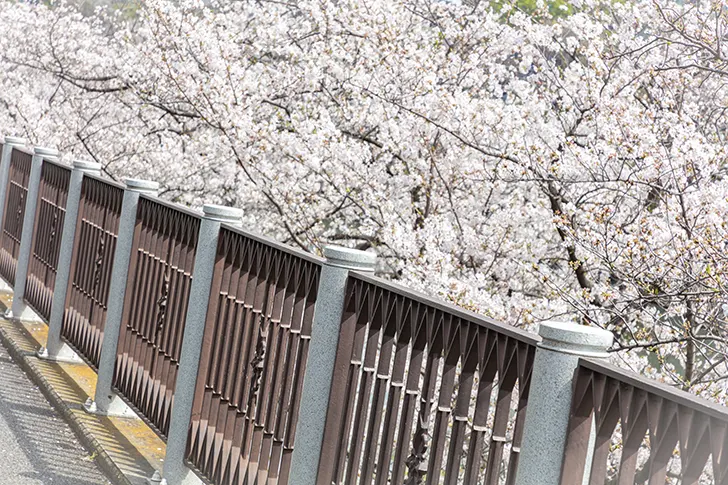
[[645, 431], [423, 392], [47, 231], [17, 193], [155, 307], [253, 360], [97, 228]]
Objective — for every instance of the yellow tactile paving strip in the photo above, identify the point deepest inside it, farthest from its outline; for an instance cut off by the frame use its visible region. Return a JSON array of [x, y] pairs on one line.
[[127, 449]]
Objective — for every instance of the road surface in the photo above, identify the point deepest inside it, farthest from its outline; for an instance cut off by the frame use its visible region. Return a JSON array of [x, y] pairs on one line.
[[36, 446]]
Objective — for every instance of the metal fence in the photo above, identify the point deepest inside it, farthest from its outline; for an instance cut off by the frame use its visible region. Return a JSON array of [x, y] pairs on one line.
[[416, 392], [93, 253], [157, 295], [15, 200], [49, 217], [422, 392], [645, 432], [251, 368]]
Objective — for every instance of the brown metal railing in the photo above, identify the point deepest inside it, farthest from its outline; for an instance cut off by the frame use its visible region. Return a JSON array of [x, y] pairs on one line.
[[663, 432], [97, 227], [157, 293], [15, 200], [46, 242], [412, 392], [252, 362]]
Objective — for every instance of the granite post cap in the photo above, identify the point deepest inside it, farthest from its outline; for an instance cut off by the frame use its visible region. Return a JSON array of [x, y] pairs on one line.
[[143, 186], [15, 141], [348, 258], [87, 166], [46, 152], [571, 338], [221, 213]]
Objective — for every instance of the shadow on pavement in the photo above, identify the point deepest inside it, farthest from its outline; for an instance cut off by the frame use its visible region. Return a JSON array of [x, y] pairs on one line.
[[53, 453]]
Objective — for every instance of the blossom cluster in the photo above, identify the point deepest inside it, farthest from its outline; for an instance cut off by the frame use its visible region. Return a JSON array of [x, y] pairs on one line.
[[529, 165]]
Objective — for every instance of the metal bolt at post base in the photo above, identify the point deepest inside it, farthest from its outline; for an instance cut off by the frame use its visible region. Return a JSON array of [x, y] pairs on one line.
[[9, 143], [105, 401], [156, 479], [317, 380], [19, 310], [55, 349], [550, 396], [175, 471]]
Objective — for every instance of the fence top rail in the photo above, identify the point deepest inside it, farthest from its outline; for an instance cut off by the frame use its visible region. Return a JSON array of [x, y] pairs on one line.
[[299, 253], [57, 164], [106, 181], [657, 388], [173, 206], [489, 323], [27, 151]]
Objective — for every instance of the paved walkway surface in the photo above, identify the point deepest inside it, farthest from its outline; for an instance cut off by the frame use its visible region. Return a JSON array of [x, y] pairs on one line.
[[36, 446]]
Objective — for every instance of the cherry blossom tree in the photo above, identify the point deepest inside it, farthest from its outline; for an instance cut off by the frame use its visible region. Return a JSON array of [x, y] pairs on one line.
[[529, 161]]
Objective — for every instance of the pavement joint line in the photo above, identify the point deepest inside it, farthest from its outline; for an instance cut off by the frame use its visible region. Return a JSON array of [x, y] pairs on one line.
[[26, 360]]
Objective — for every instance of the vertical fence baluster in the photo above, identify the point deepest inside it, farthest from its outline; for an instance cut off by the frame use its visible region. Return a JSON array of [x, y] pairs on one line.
[[19, 309], [105, 402], [55, 349]]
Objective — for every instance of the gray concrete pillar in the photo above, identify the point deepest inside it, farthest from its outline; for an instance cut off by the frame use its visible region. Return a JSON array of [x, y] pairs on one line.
[[105, 401], [549, 402], [175, 471], [321, 355], [19, 309], [9, 143], [55, 349]]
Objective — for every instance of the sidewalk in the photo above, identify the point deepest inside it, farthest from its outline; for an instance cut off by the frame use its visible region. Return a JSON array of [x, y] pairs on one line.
[[37, 447], [127, 450]]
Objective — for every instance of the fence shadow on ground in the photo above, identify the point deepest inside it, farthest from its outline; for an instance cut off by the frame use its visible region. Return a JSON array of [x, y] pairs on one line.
[[41, 433]]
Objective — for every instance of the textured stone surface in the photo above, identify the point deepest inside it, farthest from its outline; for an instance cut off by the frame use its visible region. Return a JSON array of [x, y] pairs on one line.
[[55, 349], [46, 152], [20, 309], [222, 213], [87, 166], [144, 186], [350, 258], [549, 402], [104, 396], [36, 445], [321, 356], [579, 339], [127, 450], [175, 471], [15, 140]]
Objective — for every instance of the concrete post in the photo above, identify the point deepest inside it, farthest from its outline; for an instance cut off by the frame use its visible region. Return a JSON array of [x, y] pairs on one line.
[[105, 401], [549, 403], [56, 349], [9, 143], [175, 471], [19, 309], [321, 355]]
